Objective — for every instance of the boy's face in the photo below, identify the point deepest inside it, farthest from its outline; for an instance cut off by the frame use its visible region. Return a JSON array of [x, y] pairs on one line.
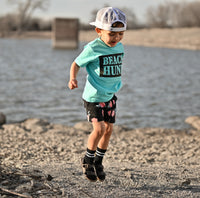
[[110, 38]]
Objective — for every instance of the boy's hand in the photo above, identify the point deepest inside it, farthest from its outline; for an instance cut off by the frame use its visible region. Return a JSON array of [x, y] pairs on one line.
[[73, 84]]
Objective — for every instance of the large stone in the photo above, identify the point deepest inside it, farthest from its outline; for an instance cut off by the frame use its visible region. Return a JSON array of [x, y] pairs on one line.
[[2, 119], [36, 125], [194, 121]]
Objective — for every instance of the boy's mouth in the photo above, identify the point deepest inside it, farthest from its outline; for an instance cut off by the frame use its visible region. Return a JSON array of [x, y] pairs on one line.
[[113, 42]]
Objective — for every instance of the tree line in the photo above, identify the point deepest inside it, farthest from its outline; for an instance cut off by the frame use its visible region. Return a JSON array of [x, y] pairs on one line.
[[167, 15], [171, 14]]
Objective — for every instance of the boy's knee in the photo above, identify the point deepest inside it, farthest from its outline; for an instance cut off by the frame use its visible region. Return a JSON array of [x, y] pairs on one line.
[[108, 128], [99, 128]]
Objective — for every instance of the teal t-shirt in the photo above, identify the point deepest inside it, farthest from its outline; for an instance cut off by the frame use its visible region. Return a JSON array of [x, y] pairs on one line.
[[104, 66]]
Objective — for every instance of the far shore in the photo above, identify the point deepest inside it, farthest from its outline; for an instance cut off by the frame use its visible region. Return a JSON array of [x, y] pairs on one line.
[[179, 38]]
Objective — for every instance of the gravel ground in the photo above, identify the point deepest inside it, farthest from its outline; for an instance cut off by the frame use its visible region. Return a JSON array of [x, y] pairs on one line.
[[40, 159]]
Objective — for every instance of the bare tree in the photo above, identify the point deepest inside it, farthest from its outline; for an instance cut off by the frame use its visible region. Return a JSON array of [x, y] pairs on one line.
[[132, 20], [25, 10], [159, 16], [188, 15], [174, 15]]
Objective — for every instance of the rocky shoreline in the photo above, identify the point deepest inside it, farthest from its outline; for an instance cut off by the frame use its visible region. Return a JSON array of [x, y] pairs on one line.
[[40, 159]]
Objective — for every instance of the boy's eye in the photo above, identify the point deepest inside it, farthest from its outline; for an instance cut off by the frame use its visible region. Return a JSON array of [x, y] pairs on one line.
[[112, 34]]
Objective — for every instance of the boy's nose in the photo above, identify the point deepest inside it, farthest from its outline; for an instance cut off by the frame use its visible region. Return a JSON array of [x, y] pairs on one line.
[[116, 37]]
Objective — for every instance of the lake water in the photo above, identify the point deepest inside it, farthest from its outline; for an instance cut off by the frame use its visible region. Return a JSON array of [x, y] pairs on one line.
[[161, 87]]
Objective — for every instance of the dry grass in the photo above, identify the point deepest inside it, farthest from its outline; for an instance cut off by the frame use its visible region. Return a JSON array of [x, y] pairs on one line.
[[180, 38]]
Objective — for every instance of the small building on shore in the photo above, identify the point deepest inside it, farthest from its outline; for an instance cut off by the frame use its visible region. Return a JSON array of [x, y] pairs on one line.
[[65, 33]]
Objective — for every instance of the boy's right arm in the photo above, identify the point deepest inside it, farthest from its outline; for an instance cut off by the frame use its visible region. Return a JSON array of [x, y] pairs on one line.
[[73, 83]]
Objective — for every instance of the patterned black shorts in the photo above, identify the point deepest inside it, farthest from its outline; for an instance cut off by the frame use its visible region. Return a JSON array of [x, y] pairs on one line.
[[101, 111]]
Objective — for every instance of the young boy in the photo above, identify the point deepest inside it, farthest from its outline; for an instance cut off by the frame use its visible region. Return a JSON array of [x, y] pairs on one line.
[[103, 61]]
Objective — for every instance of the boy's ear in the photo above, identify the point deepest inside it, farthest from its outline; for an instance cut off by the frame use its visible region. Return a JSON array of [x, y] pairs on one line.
[[98, 31]]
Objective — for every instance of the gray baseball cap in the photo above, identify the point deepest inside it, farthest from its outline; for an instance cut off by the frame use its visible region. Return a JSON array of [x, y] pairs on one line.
[[107, 16]]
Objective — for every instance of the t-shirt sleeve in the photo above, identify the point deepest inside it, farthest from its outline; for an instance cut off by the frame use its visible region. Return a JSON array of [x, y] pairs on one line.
[[86, 56]]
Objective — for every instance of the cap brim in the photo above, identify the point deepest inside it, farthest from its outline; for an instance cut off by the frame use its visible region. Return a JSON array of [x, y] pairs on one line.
[[93, 23], [107, 27]]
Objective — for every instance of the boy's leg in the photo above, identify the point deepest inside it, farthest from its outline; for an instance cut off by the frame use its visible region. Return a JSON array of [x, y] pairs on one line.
[[99, 129], [93, 140], [100, 137], [104, 141], [101, 150]]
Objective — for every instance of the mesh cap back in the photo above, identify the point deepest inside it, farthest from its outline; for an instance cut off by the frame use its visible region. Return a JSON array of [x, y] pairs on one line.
[[106, 17]]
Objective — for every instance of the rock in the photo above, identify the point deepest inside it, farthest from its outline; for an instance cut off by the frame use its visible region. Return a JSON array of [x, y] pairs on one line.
[[32, 122], [186, 182], [2, 119], [194, 121], [35, 125]]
